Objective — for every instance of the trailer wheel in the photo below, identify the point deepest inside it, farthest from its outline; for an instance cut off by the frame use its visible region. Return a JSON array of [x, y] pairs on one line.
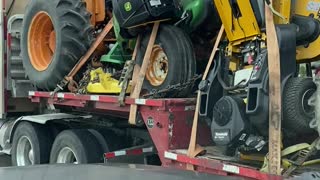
[[297, 112], [77, 147], [172, 60], [55, 35], [31, 144]]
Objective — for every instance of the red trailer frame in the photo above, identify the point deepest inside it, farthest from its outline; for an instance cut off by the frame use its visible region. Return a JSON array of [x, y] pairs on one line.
[[169, 122]]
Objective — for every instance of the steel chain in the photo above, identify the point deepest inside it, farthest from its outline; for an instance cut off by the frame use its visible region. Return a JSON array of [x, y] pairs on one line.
[[84, 82], [155, 94]]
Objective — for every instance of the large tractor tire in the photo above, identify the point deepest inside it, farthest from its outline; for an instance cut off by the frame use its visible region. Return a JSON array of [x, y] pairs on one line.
[[172, 60], [55, 35]]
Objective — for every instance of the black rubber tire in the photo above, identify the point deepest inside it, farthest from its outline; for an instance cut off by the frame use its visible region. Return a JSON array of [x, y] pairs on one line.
[[295, 119], [82, 142], [113, 140], [74, 35], [40, 138], [190, 59], [181, 57]]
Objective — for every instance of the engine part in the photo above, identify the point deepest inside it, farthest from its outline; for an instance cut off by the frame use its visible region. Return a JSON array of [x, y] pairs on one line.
[[308, 29], [132, 13], [252, 143], [258, 92], [258, 97], [211, 92], [308, 8], [228, 120]]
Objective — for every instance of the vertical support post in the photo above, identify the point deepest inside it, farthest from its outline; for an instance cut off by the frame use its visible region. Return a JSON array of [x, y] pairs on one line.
[[274, 95], [194, 149], [2, 68], [140, 78]]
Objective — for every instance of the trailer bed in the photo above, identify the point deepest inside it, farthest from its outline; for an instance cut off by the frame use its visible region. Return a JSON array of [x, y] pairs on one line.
[[169, 122]]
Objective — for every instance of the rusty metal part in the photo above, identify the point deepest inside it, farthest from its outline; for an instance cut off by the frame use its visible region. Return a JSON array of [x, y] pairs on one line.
[[84, 59], [83, 83], [42, 41], [95, 63], [73, 86], [158, 66], [127, 73], [93, 47]]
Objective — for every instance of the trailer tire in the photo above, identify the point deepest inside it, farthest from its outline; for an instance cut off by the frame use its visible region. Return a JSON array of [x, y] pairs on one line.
[[31, 141], [76, 146], [113, 140], [55, 35], [297, 114], [178, 60]]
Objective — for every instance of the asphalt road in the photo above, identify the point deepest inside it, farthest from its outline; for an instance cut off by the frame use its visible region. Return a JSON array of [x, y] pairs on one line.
[[5, 161], [102, 171]]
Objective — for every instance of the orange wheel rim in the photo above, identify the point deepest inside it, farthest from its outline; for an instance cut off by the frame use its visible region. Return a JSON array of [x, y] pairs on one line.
[[41, 41], [158, 66]]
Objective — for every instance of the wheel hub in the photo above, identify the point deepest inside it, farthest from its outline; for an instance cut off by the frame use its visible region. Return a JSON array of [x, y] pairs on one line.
[[158, 66], [41, 41], [67, 156], [25, 154], [307, 109]]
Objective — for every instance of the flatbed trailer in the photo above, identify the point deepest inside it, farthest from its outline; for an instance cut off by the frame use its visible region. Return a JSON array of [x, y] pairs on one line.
[[169, 122]]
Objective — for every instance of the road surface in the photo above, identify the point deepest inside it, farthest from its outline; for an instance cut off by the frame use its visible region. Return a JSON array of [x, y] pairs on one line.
[[5, 161]]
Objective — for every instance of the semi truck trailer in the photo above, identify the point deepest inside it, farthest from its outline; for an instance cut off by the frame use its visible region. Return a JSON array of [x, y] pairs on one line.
[[94, 81]]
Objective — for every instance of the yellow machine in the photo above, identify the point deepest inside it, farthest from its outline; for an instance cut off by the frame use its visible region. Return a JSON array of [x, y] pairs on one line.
[[244, 27], [239, 26], [239, 79], [308, 8], [103, 83]]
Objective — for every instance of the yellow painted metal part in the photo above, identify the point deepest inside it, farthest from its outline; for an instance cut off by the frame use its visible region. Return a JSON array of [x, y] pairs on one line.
[[241, 28], [305, 8], [101, 82], [252, 157], [286, 163], [284, 8], [234, 65]]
